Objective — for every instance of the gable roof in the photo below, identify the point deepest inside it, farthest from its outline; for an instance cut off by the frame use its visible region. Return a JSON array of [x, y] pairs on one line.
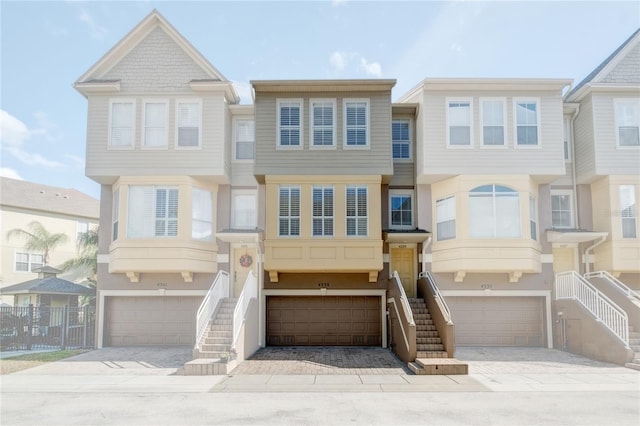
[[605, 67], [134, 37], [45, 198], [49, 285]]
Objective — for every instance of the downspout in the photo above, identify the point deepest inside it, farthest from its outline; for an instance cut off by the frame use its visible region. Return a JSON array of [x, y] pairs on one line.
[[573, 167], [589, 249], [425, 244]]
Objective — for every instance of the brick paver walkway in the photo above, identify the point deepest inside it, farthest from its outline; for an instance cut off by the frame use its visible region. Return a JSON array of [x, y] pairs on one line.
[[322, 360]]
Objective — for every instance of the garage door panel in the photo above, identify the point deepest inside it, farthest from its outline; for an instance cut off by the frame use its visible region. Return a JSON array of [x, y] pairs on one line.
[[498, 321], [332, 320]]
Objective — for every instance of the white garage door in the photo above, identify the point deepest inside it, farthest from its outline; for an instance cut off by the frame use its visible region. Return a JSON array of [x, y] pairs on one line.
[[140, 321], [498, 321]]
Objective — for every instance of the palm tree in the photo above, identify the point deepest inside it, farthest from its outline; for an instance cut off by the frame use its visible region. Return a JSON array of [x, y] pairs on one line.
[[87, 258], [38, 239]]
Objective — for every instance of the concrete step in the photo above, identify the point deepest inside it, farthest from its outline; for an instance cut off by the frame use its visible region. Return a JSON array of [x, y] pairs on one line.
[[421, 334], [428, 340], [421, 316], [213, 354], [425, 328], [434, 354], [218, 333], [221, 327], [433, 366], [215, 347], [634, 365], [634, 341], [217, 340], [207, 367], [423, 321], [221, 321], [430, 347], [415, 300]]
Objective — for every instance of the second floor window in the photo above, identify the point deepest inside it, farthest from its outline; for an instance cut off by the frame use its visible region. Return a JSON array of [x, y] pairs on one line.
[[245, 140], [243, 209], [628, 212], [155, 124], [459, 122], [289, 211], [322, 211], [322, 123], [188, 124], [153, 212], [628, 122], [494, 212], [561, 209], [493, 122], [526, 117], [401, 210], [400, 141], [356, 120], [27, 262], [289, 123], [446, 218], [357, 211], [121, 126]]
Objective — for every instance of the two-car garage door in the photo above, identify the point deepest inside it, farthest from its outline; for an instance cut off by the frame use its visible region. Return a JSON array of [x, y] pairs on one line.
[[498, 321], [324, 321]]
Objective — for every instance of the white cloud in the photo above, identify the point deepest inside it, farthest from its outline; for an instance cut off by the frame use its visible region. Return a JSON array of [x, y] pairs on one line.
[[95, 31], [338, 60], [10, 173], [77, 162], [355, 63], [371, 68]]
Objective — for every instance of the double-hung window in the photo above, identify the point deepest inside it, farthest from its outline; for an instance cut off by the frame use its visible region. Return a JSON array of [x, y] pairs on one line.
[[27, 262], [492, 122], [290, 123], [357, 211], [245, 140], [121, 123], [188, 123], [446, 218], [628, 211], [627, 122], [494, 212], [201, 214], [459, 122], [561, 209], [323, 118], [400, 140], [527, 121], [155, 124], [243, 209], [401, 209], [289, 211], [115, 213], [322, 211], [356, 123], [153, 212]]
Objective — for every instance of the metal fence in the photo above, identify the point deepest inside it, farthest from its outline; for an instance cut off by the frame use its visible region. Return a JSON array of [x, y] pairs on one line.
[[45, 327]]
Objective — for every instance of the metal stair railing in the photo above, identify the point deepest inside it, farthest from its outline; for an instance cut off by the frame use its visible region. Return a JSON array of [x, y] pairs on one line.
[[437, 295], [619, 285], [570, 285], [249, 292], [219, 290]]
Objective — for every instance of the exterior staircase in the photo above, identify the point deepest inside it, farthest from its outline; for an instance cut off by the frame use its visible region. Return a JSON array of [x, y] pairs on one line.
[[431, 358], [214, 355], [634, 344]]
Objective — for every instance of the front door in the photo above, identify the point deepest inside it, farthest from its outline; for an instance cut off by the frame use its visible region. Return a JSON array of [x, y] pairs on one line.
[[244, 260], [403, 261]]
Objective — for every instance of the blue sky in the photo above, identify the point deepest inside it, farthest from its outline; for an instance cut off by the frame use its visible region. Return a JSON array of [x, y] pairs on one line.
[[46, 46]]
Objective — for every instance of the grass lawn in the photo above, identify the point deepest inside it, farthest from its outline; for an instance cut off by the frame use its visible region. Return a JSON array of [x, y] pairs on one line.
[[22, 362]]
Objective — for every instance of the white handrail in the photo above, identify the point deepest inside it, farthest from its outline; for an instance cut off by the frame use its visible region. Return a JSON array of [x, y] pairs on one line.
[[219, 290], [403, 298], [570, 285], [438, 296], [619, 285], [249, 292]]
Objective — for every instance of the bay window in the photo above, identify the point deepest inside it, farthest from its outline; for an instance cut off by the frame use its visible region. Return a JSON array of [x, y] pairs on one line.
[[153, 212], [446, 218], [201, 214], [628, 212], [289, 211], [322, 211], [494, 212], [357, 215]]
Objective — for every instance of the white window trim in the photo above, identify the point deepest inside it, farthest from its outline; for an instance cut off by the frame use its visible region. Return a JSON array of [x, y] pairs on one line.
[[335, 127], [616, 102], [290, 217], [333, 218], [345, 101], [143, 126], [280, 101], [504, 123], [235, 135], [29, 261], [471, 129], [410, 123], [177, 127], [253, 192], [515, 123], [410, 193], [133, 124], [635, 217], [346, 218], [572, 203]]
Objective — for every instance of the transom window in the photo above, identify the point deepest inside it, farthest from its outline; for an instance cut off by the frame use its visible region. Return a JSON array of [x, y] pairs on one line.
[[527, 124], [289, 123], [357, 215], [494, 212], [153, 212], [289, 214], [322, 211], [322, 122], [27, 262], [628, 211], [401, 206], [459, 122], [245, 140], [188, 116], [121, 126], [628, 122], [201, 214], [400, 140], [155, 124], [356, 116], [561, 209], [446, 218], [493, 122]]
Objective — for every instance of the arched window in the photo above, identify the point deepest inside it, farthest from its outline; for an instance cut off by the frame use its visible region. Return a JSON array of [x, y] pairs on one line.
[[494, 212]]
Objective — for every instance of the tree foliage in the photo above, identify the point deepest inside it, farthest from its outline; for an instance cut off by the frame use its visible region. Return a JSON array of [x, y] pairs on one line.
[[38, 239]]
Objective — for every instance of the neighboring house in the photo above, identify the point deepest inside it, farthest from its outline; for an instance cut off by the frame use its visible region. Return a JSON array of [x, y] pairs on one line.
[[323, 188], [59, 210]]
